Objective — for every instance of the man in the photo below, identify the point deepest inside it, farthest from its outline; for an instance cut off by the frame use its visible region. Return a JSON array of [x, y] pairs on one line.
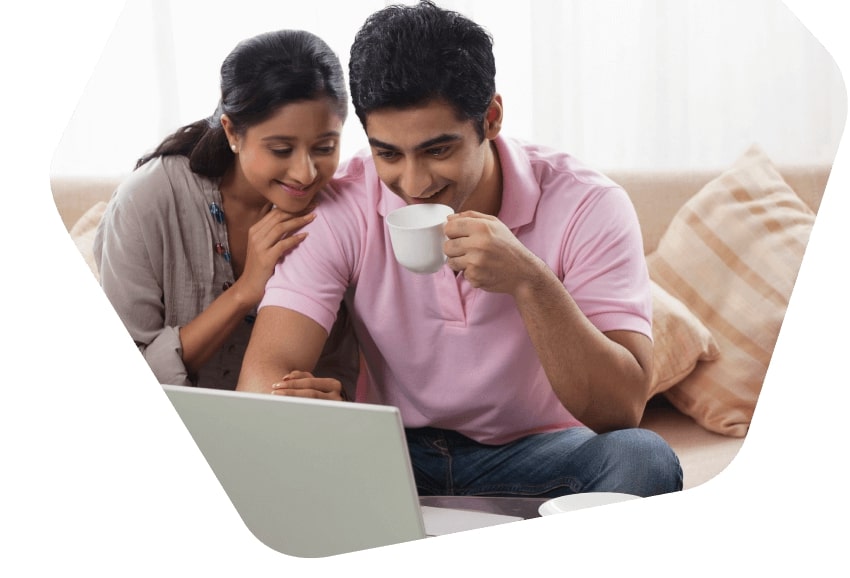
[[522, 367]]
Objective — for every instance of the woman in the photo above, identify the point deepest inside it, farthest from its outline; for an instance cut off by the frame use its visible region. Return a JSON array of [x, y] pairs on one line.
[[192, 235]]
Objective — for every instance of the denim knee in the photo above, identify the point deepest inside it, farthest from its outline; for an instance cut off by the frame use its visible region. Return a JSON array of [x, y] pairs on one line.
[[652, 465]]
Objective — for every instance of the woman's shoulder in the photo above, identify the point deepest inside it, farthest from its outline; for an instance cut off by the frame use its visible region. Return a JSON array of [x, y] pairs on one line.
[[162, 181], [147, 181]]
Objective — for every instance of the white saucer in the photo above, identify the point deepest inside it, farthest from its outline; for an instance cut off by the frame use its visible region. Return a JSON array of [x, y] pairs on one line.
[[579, 501]]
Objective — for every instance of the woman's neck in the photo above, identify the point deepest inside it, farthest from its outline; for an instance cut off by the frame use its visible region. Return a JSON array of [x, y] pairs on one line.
[[238, 194]]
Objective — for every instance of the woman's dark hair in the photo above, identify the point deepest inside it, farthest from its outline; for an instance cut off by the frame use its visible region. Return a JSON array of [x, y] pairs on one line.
[[403, 56], [260, 75]]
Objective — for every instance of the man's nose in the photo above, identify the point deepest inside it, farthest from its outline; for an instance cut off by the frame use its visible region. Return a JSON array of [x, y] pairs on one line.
[[414, 181]]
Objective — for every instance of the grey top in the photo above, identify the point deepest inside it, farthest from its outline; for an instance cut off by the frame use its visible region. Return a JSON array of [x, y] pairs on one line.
[[161, 253]]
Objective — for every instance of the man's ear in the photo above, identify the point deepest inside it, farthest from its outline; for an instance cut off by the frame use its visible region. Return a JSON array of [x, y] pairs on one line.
[[493, 117]]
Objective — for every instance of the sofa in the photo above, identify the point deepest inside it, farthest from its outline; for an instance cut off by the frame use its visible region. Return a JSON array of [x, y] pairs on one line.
[[723, 249]]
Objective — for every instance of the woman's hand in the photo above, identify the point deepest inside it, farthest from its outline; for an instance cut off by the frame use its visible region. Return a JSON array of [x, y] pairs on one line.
[[269, 239], [303, 384]]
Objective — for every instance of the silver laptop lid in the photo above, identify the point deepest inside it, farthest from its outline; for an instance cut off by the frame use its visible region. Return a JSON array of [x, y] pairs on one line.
[[308, 477]]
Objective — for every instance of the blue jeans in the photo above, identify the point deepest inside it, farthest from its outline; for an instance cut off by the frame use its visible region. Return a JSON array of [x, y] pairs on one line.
[[572, 461]]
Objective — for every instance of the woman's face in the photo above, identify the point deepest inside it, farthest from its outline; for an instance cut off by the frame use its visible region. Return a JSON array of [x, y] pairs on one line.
[[290, 156]]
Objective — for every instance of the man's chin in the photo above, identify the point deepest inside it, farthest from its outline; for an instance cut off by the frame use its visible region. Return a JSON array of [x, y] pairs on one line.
[[435, 200]]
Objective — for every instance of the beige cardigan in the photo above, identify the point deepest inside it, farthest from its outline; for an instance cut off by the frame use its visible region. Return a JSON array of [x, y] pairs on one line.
[[161, 253]]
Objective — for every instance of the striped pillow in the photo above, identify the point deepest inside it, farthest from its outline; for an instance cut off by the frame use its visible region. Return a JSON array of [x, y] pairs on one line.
[[732, 254], [679, 340]]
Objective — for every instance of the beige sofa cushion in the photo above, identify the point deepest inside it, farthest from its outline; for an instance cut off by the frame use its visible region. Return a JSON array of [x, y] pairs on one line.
[[732, 254], [680, 340], [82, 232], [703, 454], [75, 195]]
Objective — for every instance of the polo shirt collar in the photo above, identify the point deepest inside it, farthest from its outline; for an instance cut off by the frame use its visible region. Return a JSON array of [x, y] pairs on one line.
[[520, 188]]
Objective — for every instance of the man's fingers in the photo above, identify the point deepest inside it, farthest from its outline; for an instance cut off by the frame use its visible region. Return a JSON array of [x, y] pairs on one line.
[[467, 224]]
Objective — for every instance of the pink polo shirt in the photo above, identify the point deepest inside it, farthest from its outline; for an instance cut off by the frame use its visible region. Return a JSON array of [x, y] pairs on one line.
[[446, 354]]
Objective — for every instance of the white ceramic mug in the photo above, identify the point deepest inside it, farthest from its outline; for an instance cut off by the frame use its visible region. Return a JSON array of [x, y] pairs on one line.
[[417, 236]]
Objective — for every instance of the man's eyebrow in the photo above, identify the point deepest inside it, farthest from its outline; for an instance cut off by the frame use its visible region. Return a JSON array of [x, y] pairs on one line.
[[381, 144], [442, 139], [437, 140]]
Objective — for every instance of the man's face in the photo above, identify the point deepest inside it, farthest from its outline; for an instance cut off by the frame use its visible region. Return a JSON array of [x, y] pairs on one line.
[[426, 155]]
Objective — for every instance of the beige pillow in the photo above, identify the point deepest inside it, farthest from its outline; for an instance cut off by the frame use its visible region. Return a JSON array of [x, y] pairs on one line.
[[680, 341], [83, 231], [732, 254]]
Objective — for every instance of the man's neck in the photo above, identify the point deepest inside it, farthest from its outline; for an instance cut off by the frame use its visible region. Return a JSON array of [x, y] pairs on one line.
[[487, 198]]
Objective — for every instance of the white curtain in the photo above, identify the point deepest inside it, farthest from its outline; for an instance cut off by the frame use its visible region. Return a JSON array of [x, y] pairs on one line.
[[618, 83]]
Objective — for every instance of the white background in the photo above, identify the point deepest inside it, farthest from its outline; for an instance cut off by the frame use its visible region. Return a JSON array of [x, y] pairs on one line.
[[617, 83], [100, 478]]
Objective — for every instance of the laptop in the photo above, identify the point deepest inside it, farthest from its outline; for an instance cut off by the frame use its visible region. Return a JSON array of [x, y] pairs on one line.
[[315, 478]]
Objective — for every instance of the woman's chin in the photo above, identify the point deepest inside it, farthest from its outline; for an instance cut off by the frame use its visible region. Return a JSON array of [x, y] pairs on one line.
[[291, 205]]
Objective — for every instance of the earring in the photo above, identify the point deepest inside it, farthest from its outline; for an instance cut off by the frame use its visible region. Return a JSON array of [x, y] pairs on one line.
[[233, 147]]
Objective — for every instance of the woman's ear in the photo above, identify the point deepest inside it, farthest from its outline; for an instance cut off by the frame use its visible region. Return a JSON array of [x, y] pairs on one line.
[[493, 117], [232, 137]]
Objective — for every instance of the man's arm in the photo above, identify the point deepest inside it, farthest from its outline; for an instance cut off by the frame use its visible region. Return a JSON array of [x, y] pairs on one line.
[[283, 349], [601, 378]]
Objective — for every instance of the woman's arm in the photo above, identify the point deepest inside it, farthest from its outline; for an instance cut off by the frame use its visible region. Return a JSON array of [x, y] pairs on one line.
[[133, 257], [127, 262], [269, 239]]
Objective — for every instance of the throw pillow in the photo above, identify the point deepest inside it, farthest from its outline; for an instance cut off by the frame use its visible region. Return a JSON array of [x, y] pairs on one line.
[[732, 254], [680, 341], [83, 231]]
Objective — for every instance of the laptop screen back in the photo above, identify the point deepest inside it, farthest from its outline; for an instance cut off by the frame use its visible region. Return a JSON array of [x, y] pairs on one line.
[[308, 477]]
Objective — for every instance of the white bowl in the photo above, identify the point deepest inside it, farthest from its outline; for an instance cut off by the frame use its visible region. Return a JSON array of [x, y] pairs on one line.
[[580, 501]]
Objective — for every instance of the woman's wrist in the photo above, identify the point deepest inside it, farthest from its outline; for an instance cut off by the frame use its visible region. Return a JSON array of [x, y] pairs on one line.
[[244, 299]]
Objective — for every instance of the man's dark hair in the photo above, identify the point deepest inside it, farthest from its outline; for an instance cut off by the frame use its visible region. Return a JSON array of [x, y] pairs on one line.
[[405, 56]]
